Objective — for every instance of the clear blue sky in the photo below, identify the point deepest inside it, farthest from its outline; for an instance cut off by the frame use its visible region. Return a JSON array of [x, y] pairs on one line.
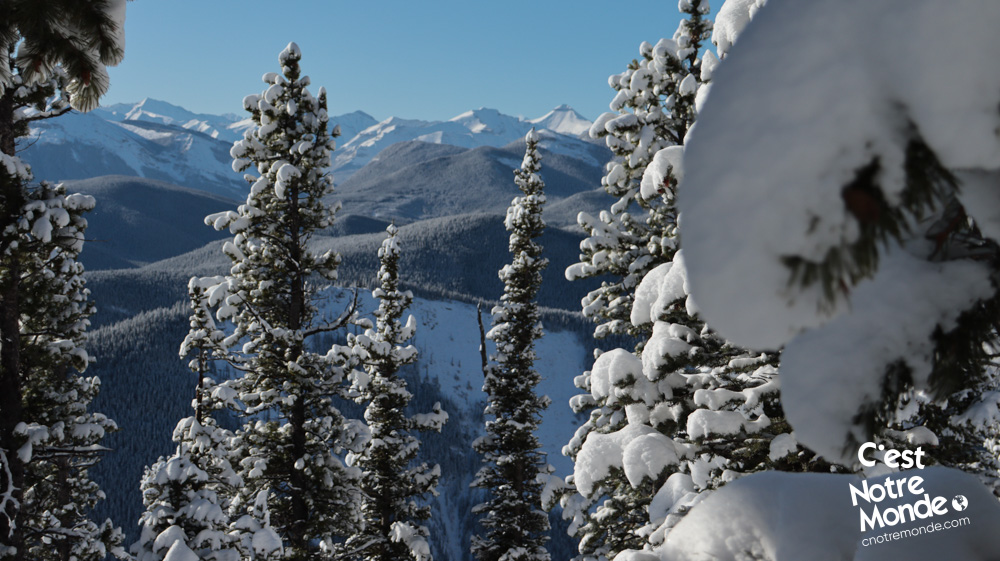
[[430, 59]]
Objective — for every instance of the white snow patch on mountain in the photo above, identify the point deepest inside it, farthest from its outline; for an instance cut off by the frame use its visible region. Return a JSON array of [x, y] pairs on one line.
[[564, 120], [80, 146]]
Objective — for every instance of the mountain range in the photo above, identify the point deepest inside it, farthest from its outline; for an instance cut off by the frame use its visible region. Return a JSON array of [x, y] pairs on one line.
[[159, 140]]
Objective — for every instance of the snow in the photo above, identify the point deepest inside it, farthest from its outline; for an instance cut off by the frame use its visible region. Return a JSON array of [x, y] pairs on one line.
[[226, 127], [784, 516], [180, 552], [776, 173], [659, 289], [893, 318], [702, 423], [611, 367], [415, 542], [169, 538], [563, 120], [677, 493], [133, 147], [666, 163], [733, 16], [647, 456], [766, 185], [782, 445], [601, 452], [266, 541]]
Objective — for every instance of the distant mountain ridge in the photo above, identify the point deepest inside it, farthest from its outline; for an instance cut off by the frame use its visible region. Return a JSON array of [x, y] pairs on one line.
[[227, 127], [159, 140], [414, 180], [472, 129]]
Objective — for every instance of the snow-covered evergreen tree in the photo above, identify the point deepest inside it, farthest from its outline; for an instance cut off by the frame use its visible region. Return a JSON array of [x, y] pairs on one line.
[[686, 411], [62, 436], [393, 484], [52, 55], [653, 109], [292, 435], [514, 526], [188, 495], [863, 240]]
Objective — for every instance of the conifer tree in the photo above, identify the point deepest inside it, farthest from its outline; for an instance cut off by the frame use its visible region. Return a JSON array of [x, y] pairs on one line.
[[63, 437], [515, 527], [287, 449], [392, 483], [53, 55], [188, 495], [653, 109], [686, 411]]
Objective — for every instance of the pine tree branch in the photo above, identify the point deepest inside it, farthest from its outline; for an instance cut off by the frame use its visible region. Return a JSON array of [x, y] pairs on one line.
[[41, 116], [357, 550]]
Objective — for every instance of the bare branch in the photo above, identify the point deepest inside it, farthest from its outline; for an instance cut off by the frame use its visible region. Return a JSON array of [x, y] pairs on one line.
[[340, 321], [7, 497], [482, 336]]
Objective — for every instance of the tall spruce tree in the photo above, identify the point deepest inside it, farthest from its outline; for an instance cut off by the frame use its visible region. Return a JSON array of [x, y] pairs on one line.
[[62, 436], [393, 484], [287, 449], [515, 527], [52, 57], [653, 108]]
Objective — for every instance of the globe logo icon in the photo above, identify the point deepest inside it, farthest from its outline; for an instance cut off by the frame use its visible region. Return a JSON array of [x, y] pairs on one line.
[[960, 503]]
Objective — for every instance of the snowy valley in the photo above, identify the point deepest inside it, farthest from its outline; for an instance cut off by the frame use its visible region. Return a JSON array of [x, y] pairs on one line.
[[148, 237]]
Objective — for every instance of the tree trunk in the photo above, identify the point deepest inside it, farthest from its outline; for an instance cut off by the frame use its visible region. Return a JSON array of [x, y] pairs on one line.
[[300, 509], [11, 201]]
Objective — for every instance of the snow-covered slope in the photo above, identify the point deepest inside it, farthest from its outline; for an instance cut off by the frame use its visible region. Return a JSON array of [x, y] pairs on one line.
[[228, 127], [82, 146], [149, 140], [415, 180], [564, 120], [140, 372]]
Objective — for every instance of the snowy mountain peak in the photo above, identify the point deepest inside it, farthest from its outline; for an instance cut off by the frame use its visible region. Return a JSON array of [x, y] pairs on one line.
[[486, 120], [564, 120], [150, 109], [482, 112], [227, 127]]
